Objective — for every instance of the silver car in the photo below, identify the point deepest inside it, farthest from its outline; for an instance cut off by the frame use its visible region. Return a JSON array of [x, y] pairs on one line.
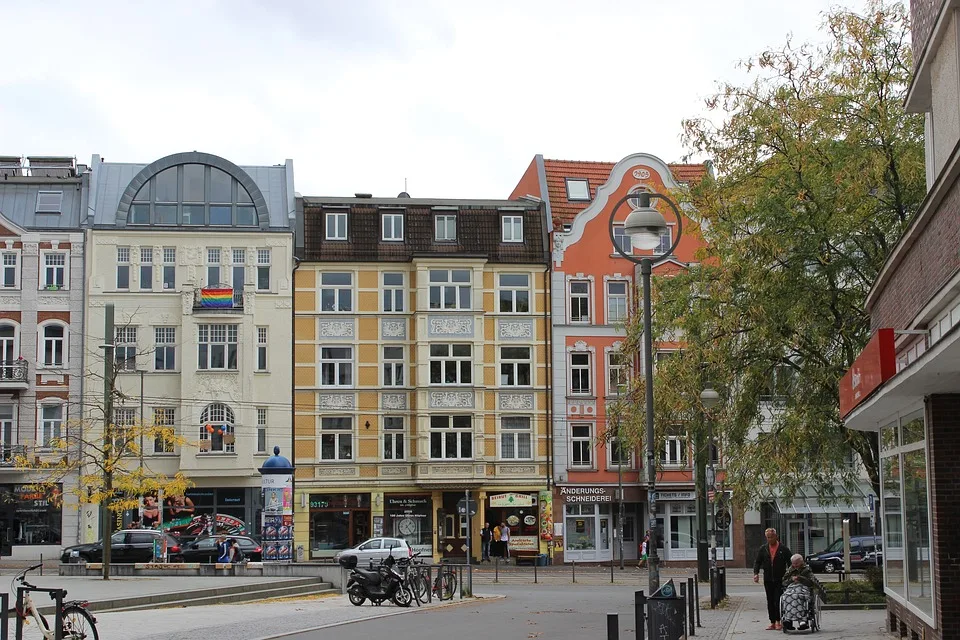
[[376, 549]]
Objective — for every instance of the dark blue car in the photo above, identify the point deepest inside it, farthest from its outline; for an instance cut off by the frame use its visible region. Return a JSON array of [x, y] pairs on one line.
[[865, 551]]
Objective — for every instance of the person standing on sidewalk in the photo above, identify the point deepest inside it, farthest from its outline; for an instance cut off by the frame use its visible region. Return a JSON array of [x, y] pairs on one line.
[[505, 539], [774, 558], [486, 536]]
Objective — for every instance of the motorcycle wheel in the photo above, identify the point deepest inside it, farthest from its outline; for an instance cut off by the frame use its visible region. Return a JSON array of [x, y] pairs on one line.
[[356, 599], [403, 597]]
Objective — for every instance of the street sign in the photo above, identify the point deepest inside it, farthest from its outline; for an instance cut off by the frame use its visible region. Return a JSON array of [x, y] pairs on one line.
[[723, 519], [462, 506]]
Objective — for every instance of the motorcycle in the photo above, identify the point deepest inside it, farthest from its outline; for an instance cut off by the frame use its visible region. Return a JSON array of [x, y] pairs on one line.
[[376, 585]]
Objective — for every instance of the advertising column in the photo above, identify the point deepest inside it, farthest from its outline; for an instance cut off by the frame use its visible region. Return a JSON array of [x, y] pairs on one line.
[[277, 527]]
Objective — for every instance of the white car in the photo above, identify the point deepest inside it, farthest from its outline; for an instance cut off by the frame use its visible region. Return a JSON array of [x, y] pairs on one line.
[[376, 549]]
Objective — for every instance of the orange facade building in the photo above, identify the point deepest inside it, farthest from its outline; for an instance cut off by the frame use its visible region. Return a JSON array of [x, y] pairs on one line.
[[594, 291]]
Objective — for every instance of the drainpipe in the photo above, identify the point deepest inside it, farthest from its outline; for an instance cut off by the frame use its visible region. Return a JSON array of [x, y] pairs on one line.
[[87, 239], [548, 327], [293, 373]]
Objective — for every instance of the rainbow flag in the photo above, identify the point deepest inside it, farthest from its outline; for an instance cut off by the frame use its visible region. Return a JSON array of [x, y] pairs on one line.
[[216, 298]]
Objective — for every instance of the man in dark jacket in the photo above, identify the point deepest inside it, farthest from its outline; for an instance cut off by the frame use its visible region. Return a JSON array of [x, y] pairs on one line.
[[774, 559]]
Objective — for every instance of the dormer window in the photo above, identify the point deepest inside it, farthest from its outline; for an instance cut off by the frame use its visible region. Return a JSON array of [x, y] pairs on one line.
[[578, 190], [193, 195]]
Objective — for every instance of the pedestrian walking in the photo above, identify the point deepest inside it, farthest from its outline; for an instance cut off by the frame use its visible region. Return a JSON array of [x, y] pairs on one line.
[[497, 545], [505, 539], [644, 550], [774, 558], [486, 536]]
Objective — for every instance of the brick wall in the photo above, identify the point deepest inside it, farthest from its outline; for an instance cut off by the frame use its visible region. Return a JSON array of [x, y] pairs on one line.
[[928, 264], [923, 13], [943, 450]]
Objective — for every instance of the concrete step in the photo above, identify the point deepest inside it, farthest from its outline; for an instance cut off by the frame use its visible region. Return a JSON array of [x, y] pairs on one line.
[[213, 595], [245, 596]]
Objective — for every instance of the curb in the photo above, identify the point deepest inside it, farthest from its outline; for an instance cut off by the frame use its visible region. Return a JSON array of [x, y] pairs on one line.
[[474, 600], [732, 627]]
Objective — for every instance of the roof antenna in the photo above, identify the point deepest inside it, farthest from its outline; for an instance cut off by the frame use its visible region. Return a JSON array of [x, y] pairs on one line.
[[404, 194]]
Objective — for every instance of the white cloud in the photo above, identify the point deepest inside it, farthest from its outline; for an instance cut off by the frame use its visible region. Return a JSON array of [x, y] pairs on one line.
[[456, 97]]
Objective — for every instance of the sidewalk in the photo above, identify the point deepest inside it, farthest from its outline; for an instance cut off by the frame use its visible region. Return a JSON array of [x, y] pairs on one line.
[[750, 621]]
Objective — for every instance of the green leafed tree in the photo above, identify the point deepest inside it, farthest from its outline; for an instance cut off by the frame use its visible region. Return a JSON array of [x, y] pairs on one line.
[[818, 170]]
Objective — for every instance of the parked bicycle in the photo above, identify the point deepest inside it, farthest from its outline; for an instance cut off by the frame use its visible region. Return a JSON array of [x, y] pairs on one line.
[[77, 623]]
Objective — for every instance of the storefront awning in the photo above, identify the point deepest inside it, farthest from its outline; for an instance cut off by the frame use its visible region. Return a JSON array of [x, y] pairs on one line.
[[806, 502]]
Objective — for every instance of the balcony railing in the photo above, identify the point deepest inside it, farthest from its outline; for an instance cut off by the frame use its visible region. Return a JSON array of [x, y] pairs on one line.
[[13, 374], [218, 299], [10, 452]]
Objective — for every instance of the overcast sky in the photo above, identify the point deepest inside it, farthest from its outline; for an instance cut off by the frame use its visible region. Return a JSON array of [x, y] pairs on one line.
[[456, 97]]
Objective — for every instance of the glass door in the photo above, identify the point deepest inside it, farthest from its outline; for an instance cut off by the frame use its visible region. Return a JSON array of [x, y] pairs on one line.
[[605, 532], [7, 351], [797, 536]]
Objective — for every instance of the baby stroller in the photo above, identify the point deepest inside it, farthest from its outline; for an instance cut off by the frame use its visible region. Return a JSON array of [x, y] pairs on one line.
[[800, 608]]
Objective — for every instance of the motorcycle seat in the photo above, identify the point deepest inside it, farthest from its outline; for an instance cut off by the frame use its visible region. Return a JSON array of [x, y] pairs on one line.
[[370, 577]]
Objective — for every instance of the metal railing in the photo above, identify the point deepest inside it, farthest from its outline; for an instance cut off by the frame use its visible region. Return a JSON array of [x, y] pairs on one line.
[[10, 452], [13, 371]]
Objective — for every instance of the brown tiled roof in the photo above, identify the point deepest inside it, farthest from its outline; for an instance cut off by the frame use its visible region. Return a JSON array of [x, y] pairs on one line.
[[478, 231], [596, 174]]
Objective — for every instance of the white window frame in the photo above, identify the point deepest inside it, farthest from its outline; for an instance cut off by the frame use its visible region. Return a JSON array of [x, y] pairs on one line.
[[575, 299], [261, 429], [631, 461], [461, 425], [393, 366], [513, 430], [617, 367], [511, 228], [64, 345], [459, 363], [49, 206], [441, 227], [509, 295], [512, 365], [165, 347], [622, 300], [394, 439], [578, 367], [54, 424], [580, 444], [340, 228], [48, 270], [264, 261], [238, 271], [339, 436], [577, 197], [169, 268], [124, 423], [394, 295], [340, 367], [262, 363], [675, 450], [164, 417], [341, 292], [123, 268], [227, 425], [145, 281], [125, 348], [209, 335], [10, 264], [666, 239], [214, 266], [391, 226], [462, 289], [620, 234], [8, 430]]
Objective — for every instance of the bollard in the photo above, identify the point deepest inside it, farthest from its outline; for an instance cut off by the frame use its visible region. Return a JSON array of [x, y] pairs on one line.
[[613, 627], [723, 582], [574, 564], [683, 604], [58, 618], [611, 572], [4, 615], [639, 601], [41, 565], [460, 581], [693, 627], [19, 625], [535, 572], [696, 590], [429, 584], [469, 580], [496, 569]]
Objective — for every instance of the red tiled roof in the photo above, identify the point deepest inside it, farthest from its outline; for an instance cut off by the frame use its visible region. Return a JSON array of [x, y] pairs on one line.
[[596, 174]]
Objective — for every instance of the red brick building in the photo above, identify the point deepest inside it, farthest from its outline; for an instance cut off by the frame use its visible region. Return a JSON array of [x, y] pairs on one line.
[[906, 384]]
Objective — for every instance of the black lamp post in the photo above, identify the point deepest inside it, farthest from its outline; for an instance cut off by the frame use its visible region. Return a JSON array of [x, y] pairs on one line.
[[709, 398], [644, 226]]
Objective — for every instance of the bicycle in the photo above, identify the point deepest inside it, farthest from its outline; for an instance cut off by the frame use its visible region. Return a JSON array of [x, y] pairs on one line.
[[76, 622], [445, 584]]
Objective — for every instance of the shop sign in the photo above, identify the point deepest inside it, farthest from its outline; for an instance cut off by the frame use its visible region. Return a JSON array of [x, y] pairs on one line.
[[586, 494], [876, 364], [512, 500], [675, 496], [407, 502], [524, 543]]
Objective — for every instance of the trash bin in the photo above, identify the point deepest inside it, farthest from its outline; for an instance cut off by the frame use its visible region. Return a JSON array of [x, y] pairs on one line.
[[542, 560]]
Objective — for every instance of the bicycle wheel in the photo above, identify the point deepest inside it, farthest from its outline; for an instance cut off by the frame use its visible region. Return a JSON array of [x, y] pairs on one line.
[[78, 624], [446, 585], [33, 631], [418, 582]]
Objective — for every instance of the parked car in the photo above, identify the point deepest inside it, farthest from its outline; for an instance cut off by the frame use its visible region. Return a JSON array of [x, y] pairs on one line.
[[129, 545], [376, 549], [205, 549], [865, 551]]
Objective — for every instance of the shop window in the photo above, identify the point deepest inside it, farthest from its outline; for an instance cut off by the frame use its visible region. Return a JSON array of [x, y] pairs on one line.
[[30, 525], [410, 518], [580, 528], [581, 445], [683, 525]]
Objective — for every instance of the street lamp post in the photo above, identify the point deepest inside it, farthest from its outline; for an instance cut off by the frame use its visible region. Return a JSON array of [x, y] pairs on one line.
[[644, 226], [709, 398]]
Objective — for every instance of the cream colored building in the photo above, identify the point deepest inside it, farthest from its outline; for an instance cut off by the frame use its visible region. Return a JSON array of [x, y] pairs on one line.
[[160, 235]]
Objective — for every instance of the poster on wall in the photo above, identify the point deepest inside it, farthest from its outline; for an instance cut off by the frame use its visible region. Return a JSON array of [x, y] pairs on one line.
[[277, 529], [546, 515], [524, 543]]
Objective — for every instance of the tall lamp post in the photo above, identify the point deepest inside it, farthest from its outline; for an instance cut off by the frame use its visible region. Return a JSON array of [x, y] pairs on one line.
[[645, 226], [709, 398]]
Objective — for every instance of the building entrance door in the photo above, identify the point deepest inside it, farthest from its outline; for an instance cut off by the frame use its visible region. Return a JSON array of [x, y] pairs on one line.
[[7, 351], [606, 531], [797, 536]]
